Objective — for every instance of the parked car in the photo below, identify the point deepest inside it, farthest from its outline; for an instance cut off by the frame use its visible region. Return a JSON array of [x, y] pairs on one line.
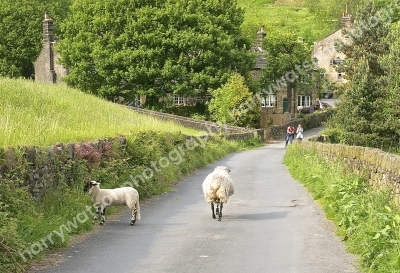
[[134, 104], [327, 95]]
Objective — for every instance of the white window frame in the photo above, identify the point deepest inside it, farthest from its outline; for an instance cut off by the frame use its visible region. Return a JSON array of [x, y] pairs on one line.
[[303, 101], [178, 100], [269, 101]]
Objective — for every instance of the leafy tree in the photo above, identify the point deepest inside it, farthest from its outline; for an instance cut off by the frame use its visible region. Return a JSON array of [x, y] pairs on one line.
[[234, 104], [289, 59], [367, 39], [21, 33], [153, 47], [354, 112], [319, 81], [387, 118], [368, 106]]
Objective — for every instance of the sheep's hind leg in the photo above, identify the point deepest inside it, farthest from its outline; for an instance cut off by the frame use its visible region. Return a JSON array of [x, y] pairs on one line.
[[97, 213], [220, 212], [212, 209], [133, 220], [103, 216]]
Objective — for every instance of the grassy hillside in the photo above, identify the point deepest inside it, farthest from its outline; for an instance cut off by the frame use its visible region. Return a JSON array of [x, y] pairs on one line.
[[285, 15], [44, 114]]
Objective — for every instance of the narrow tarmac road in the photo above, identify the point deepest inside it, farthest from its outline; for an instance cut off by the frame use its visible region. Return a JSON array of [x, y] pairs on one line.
[[271, 224]]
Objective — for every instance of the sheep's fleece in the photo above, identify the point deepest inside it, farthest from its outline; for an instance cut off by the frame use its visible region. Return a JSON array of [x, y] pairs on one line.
[[114, 197], [218, 185]]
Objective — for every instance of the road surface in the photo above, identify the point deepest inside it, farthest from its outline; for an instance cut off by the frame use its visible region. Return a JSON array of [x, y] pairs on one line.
[[271, 224]]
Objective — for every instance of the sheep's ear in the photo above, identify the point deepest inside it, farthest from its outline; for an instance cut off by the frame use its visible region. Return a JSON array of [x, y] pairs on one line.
[[226, 168], [94, 183], [87, 186]]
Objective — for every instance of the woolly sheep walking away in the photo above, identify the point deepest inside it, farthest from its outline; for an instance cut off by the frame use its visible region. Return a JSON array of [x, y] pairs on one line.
[[103, 198], [217, 187]]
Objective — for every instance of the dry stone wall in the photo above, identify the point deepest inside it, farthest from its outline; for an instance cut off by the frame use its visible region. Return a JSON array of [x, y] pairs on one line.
[[278, 132], [230, 132], [381, 169], [210, 127], [40, 170]]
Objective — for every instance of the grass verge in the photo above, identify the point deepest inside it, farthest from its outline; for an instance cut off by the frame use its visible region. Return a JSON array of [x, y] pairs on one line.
[[367, 219]]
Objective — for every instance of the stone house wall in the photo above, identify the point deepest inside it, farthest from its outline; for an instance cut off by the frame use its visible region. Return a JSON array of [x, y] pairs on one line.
[[327, 51]]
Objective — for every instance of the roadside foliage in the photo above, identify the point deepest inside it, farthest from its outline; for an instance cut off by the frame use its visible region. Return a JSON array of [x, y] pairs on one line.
[[367, 219]]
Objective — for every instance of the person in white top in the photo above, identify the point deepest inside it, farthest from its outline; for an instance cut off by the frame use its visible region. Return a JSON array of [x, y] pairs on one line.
[[299, 132]]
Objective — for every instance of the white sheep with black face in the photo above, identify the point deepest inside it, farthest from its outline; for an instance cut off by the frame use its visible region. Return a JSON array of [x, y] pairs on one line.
[[103, 198], [217, 187]]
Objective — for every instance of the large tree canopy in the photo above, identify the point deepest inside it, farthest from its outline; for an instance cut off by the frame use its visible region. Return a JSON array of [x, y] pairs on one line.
[[153, 47], [368, 113], [367, 37], [289, 60], [21, 33], [355, 110], [387, 118]]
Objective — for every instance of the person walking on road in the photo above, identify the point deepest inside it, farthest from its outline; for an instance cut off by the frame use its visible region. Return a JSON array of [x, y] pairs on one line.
[[289, 135], [299, 132]]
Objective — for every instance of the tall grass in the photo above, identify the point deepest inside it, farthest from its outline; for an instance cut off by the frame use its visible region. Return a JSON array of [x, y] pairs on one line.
[[44, 114], [368, 220]]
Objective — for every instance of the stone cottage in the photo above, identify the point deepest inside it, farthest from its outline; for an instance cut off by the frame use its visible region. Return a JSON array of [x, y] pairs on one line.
[[46, 66], [274, 101], [327, 52]]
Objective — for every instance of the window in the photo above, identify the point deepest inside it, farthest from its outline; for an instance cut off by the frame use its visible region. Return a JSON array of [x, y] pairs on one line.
[[178, 100], [304, 101], [337, 61], [269, 101]]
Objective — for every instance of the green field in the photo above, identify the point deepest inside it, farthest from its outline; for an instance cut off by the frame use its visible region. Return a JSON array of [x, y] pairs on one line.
[[45, 114], [292, 16]]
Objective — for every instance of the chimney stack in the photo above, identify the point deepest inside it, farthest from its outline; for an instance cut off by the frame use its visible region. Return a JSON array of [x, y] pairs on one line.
[[260, 35], [346, 19], [48, 29]]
